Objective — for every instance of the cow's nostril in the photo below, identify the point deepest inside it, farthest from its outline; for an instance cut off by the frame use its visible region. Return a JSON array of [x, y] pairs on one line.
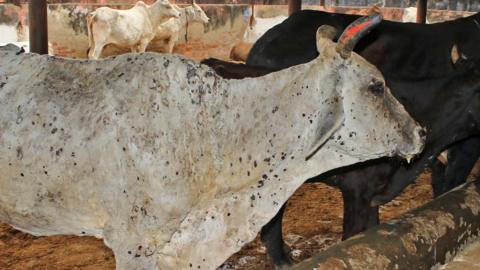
[[422, 132]]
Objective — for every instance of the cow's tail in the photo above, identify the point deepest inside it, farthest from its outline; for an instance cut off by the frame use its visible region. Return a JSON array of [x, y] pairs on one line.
[[91, 41]]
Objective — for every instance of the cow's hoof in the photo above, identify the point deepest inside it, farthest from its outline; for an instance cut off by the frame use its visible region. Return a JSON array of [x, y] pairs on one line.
[[285, 261]]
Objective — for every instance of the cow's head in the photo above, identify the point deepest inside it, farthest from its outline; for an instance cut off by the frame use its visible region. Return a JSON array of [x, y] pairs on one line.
[[363, 118], [196, 14], [164, 10]]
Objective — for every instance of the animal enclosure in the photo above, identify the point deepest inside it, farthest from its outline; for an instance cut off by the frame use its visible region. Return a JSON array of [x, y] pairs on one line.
[[314, 214]]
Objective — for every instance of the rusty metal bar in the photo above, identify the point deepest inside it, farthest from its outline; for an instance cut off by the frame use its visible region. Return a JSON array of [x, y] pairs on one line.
[[294, 6], [422, 11], [420, 239], [38, 28]]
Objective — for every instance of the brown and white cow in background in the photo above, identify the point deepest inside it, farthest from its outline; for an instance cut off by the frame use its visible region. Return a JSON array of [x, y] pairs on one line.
[[175, 167], [132, 28], [171, 30]]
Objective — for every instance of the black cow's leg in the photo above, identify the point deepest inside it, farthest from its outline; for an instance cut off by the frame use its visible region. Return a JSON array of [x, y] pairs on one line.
[[358, 215], [373, 216], [461, 159], [438, 178], [271, 236], [462, 156]]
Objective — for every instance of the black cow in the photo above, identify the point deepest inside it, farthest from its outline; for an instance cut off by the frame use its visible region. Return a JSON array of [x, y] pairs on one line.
[[416, 62], [231, 70]]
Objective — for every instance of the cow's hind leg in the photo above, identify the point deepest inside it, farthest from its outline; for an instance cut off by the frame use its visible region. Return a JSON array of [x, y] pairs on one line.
[[271, 236], [97, 51]]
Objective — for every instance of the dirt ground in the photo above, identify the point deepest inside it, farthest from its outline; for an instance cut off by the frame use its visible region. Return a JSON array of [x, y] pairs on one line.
[[313, 222]]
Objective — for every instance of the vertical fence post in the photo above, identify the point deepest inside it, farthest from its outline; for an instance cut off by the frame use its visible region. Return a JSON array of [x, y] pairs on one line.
[[38, 28], [422, 11], [294, 6]]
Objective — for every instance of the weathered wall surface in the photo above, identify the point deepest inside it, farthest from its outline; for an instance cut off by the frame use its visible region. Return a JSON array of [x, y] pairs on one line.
[[458, 5], [216, 38], [12, 19], [68, 30]]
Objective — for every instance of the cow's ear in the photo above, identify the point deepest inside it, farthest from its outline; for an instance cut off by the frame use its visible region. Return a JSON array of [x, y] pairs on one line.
[[454, 54], [189, 11], [325, 36], [327, 120], [457, 57]]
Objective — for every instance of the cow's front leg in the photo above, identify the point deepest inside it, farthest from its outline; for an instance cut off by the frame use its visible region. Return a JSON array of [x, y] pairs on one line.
[[461, 158], [142, 45], [132, 249], [271, 236], [97, 51], [358, 215], [438, 178], [171, 42]]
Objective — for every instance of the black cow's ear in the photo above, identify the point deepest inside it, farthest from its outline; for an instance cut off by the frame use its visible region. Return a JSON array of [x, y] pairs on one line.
[[454, 55], [457, 57]]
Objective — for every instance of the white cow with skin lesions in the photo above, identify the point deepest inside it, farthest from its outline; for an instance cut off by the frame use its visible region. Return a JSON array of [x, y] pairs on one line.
[[133, 28], [175, 167], [171, 30]]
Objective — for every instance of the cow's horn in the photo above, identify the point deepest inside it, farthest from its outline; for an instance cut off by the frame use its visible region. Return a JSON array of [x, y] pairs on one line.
[[355, 31]]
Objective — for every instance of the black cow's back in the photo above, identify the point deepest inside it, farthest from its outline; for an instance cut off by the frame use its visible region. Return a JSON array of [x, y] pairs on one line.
[[293, 41], [400, 50]]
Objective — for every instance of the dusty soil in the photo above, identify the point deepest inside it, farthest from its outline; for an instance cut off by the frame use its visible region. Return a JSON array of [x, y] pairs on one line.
[[313, 222]]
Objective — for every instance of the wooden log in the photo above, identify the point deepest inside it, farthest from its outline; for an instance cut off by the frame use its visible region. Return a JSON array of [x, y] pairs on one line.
[[420, 239]]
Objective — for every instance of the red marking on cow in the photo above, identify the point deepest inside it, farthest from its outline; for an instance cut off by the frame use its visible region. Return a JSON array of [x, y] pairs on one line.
[[351, 32]]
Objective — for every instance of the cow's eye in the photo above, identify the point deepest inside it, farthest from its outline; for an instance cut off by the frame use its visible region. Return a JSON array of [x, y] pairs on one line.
[[376, 87]]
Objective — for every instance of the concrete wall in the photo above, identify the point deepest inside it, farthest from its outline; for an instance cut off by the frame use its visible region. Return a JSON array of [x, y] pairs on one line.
[[226, 26], [68, 30]]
